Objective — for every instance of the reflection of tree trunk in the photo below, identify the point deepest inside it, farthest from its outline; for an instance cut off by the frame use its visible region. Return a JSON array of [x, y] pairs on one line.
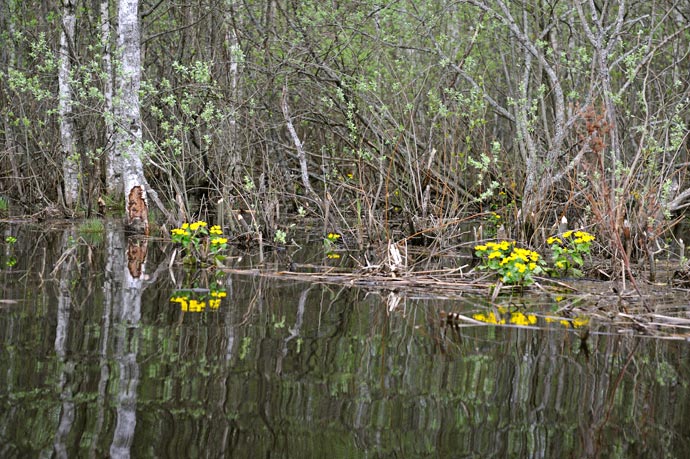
[[127, 312], [61, 335], [294, 331], [110, 284]]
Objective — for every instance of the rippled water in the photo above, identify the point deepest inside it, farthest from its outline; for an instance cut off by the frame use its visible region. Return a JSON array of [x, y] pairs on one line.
[[95, 361]]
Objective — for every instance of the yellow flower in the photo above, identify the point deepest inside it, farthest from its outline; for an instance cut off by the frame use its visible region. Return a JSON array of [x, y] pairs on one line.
[[579, 322], [560, 264], [480, 248], [218, 294], [185, 225], [334, 255], [218, 241], [521, 267], [214, 304], [489, 318], [554, 239], [181, 300], [495, 254], [518, 318], [215, 229], [567, 234], [333, 236], [532, 266], [196, 306]]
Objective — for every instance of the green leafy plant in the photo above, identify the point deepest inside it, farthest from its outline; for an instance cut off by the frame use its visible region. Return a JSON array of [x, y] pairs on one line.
[[514, 265], [200, 244], [279, 237], [568, 250]]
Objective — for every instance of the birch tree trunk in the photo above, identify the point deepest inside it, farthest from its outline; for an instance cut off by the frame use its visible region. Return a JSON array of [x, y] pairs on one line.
[[113, 176], [127, 138], [70, 158]]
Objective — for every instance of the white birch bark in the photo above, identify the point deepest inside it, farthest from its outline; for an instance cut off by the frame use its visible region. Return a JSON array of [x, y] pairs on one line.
[[112, 171], [127, 140], [70, 158], [125, 295]]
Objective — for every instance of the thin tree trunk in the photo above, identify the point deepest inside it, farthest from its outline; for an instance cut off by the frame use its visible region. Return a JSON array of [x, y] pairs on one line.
[[70, 158], [301, 155], [113, 176]]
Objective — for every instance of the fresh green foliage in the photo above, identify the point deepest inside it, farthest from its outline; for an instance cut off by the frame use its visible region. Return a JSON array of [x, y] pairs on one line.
[[279, 236], [514, 265], [568, 250]]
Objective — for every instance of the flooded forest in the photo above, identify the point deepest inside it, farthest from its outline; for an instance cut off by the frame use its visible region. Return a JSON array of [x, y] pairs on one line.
[[238, 228]]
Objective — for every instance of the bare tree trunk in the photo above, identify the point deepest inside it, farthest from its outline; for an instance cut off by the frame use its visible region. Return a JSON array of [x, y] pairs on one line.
[[113, 177], [301, 155], [127, 140], [70, 158]]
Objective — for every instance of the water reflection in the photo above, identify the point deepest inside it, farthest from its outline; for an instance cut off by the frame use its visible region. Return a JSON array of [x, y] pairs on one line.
[[97, 361]]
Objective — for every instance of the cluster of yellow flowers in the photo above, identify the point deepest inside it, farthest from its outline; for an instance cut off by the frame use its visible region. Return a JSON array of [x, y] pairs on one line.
[[333, 237], [216, 296], [578, 237], [525, 320], [514, 264], [523, 259], [188, 304], [514, 318]]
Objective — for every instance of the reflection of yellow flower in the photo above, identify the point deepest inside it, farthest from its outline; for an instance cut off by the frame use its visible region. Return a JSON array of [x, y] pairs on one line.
[[214, 304], [524, 320], [215, 230], [218, 294], [181, 300], [333, 255], [489, 318], [196, 306], [579, 322]]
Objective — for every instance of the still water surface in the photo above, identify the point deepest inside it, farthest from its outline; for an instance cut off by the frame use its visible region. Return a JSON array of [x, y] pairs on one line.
[[96, 360]]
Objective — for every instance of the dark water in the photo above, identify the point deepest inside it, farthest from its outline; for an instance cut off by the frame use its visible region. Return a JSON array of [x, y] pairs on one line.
[[96, 361]]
